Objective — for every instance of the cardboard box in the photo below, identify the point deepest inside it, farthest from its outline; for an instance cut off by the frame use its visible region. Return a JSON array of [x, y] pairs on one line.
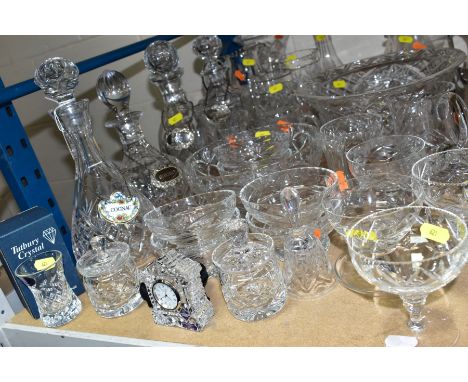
[[26, 234]]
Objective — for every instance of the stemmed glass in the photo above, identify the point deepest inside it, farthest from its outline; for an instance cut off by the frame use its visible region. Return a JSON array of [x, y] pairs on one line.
[[351, 200], [412, 252], [341, 134], [441, 180], [391, 153]]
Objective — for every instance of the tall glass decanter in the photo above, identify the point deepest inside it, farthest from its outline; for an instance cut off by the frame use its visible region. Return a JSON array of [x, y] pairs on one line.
[[220, 111], [179, 135], [104, 203], [159, 177], [328, 57]]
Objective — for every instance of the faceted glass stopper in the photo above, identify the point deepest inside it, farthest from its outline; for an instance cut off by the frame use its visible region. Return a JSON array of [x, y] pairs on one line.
[[114, 90], [238, 231], [207, 46], [290, 201], [161, 58], [58, 77]]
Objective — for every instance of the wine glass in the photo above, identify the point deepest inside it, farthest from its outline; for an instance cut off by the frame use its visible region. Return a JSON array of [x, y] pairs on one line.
[[441, 179], [412, 252], [391, 153], [355, 199]]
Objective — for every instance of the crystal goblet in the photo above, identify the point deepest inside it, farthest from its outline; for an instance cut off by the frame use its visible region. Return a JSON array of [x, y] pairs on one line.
[[341, 134], [357, 198], [441, 179], [412, 252], [391, 153]]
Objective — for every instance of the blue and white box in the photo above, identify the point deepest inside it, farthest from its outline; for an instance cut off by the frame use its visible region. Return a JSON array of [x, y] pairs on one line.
[[28, 233]]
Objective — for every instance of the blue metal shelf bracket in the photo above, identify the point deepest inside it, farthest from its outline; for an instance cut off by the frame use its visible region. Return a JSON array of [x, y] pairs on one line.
[[22, 170]]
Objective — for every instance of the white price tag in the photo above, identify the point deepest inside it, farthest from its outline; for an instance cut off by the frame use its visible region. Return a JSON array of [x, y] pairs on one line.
[[401, 341]]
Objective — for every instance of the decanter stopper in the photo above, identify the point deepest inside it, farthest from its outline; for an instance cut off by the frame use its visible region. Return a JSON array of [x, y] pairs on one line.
[[207, 47], [290, 201], [161, 59], [113, 90], [99, 242], [58, 78], [238, 232]]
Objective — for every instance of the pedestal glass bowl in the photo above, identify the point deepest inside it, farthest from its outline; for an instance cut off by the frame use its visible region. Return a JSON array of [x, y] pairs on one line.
[[261, 197], [412, 252], [250, 154], [441, 180], [392, 154], [195, 224], [357, 198]]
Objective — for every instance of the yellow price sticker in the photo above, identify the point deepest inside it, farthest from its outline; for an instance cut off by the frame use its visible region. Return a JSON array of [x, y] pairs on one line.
[[248, 61], [339, 84], [275, 88], [291, 57], [175, 119], [405, 39], [263, 133], [320, 37], [371, 236], [44, 263], [435, 233]]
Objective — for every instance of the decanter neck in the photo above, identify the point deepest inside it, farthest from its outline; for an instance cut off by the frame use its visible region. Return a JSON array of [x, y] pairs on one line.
[[328, 57], [129, 128], [73, 119]]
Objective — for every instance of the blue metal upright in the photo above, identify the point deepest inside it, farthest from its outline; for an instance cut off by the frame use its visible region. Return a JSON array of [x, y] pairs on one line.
[[18, 161], [22, 170]]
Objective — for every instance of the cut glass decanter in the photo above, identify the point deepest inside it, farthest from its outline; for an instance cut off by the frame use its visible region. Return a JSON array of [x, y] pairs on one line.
[[158, 176], [179, 135], [328, 57], [220, 111], [104, 203]]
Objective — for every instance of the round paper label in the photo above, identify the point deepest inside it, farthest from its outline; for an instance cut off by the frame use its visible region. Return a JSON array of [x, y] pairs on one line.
[[119, 209]]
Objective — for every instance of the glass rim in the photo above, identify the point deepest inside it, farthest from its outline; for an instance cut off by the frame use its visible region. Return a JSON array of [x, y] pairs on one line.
[[270, 247], [414, 138], [229, 194], [430, 156], [345, 117], [457, 56], [371, 176], [249, 185], [35, 256], [106, 268], [457, 247]]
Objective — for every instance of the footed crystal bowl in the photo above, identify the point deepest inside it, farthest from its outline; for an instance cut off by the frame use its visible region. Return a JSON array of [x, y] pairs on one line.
[[261, 197], [195, 224]]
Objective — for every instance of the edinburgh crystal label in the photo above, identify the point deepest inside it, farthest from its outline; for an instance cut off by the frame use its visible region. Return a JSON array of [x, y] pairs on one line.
[[119, 209], [165, 177]]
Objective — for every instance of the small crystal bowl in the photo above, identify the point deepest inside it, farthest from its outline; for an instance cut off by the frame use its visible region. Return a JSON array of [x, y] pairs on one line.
[[392, 153], [194, 223], [261, 197]]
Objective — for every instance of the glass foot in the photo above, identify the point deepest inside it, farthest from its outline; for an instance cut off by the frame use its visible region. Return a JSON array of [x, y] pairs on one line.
[[350, 279], [439, 330]]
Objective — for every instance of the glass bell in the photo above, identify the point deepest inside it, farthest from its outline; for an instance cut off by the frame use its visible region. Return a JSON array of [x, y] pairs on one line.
[[104, 203], [159, 177], [180, 135]]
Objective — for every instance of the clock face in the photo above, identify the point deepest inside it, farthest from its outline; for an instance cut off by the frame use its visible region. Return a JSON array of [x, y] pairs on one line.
[[165, 295]]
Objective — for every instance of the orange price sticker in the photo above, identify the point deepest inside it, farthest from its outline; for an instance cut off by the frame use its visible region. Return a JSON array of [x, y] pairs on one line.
[[284, 126], [317, 233], [419, 45], [232, 140], [342, 183], [239, 75]]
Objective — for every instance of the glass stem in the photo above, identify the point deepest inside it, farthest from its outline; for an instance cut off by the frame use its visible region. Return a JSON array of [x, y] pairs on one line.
[[415, 305]]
